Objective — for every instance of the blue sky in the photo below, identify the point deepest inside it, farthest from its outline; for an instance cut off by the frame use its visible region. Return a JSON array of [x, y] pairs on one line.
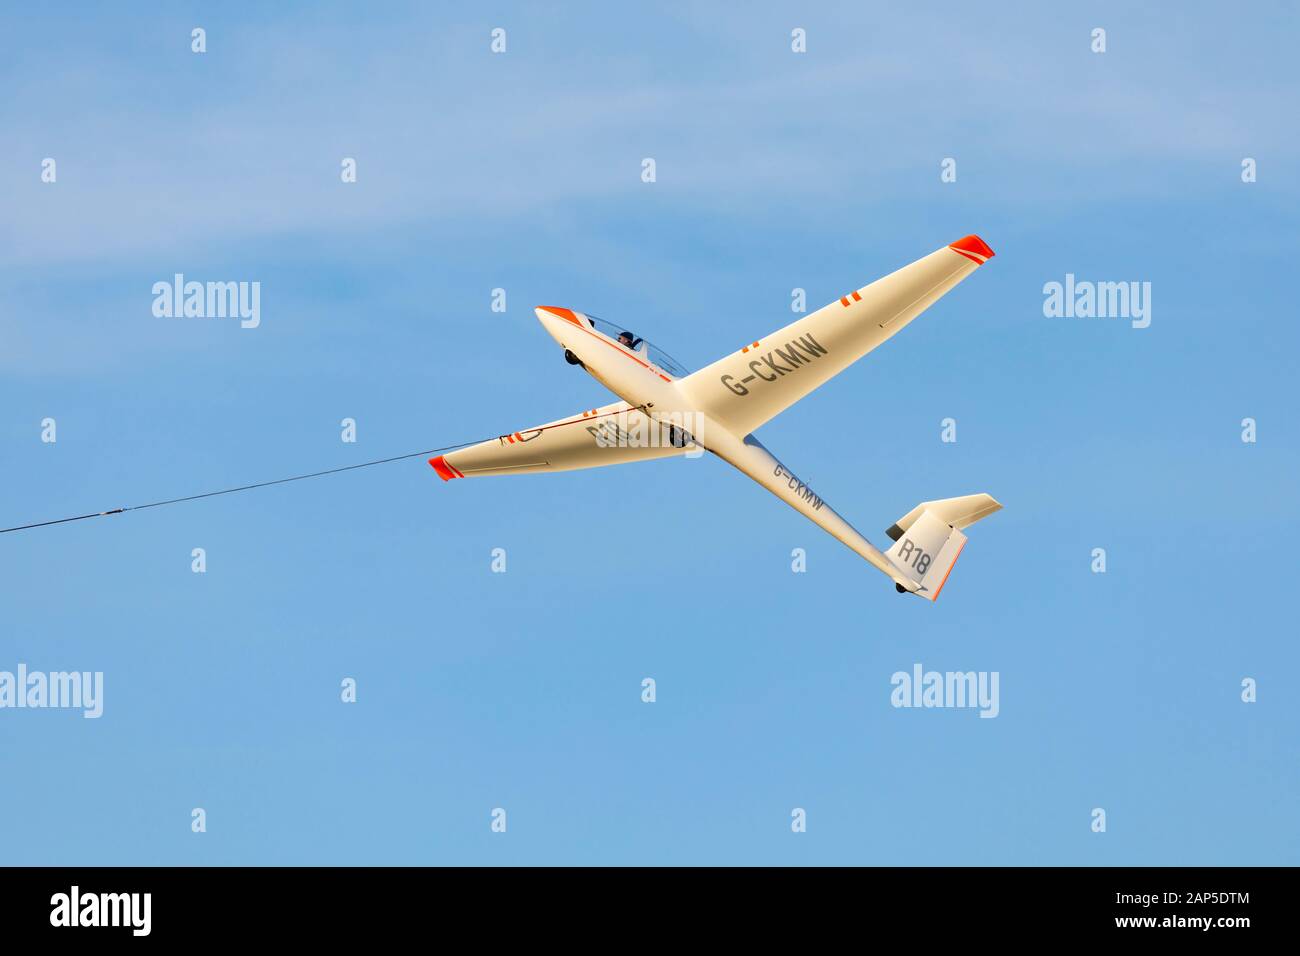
[[522, 690]]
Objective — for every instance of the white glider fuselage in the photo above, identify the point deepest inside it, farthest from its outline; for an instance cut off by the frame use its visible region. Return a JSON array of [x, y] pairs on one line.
[[633, 378]]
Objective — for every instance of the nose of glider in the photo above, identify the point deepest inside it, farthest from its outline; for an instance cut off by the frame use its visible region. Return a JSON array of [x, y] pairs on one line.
[[549, 312], [555, 320]]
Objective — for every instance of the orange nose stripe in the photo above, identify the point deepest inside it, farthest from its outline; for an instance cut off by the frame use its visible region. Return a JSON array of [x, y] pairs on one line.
[[565, 314], [973, 244]]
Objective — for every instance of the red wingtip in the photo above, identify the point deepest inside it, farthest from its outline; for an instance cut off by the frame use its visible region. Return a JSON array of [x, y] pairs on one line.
[[445, 471], [973, 248]]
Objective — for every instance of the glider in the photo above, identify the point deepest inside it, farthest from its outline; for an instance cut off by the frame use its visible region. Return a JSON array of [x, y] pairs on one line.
[[663, 410]]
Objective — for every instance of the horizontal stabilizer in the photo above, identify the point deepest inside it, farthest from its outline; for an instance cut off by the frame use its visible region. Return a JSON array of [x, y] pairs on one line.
[[958, 512]]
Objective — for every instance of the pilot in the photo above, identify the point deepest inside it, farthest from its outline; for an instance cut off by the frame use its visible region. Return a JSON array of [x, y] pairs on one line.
[[628, 340]]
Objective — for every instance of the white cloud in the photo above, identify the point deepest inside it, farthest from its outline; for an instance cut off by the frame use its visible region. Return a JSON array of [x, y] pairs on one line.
[[248, 146]]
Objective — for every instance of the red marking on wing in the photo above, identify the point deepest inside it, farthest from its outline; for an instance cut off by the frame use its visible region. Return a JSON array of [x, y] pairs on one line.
[[973, 248], [445, 471]]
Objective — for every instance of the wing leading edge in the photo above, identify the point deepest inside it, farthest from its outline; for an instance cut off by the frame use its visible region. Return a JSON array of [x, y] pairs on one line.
[[749, 387], [612, 435]]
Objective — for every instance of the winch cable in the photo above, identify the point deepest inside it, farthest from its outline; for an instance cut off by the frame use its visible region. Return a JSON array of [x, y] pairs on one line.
[[231, 491]]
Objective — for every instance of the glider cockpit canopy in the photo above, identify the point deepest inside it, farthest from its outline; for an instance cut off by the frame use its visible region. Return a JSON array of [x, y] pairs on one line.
[[630, 340]]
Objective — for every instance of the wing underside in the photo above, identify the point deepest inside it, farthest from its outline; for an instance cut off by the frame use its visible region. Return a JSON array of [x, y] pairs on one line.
[[613, 435], [751, 386]]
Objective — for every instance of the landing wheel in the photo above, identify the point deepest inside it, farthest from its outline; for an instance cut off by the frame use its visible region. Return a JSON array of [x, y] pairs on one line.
[[899, 588], [572, 359]]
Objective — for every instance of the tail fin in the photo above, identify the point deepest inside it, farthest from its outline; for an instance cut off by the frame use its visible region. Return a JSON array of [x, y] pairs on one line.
[[928, 539]]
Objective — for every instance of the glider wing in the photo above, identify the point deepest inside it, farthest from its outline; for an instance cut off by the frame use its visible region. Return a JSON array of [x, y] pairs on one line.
[[612, 435], [749, 387]]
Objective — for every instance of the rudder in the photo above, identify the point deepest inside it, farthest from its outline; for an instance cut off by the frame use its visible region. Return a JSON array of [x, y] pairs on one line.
[[928, 539]]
